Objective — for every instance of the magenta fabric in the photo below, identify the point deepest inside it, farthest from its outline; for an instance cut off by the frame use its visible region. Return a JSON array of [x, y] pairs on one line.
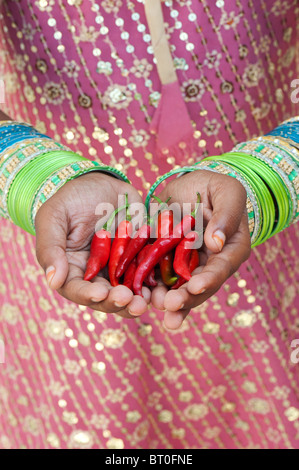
[[171, 124], [74, 378]]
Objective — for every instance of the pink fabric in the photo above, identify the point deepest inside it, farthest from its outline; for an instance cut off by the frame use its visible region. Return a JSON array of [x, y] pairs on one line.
[[171, 124], [225, 380]]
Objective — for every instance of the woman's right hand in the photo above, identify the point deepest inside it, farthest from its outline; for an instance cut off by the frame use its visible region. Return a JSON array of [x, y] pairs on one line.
[[64, 226]]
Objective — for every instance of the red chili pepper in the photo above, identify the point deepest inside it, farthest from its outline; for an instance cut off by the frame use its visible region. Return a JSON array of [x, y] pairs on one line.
[[161, 247], [183, 254], [150, 280], [119, 245], [166, 270], [99, 254], [129, 274], [193, 264], [164, 229], [100, 248], [165, 224], [135, 245]]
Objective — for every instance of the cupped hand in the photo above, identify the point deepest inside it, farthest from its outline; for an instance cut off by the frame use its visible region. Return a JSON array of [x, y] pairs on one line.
[[65, 225], [226, 240]]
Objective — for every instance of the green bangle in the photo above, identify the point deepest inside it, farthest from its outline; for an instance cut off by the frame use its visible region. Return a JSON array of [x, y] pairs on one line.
[[20, 158], [184, 169], [276, 185], [252, 203], [31, 177], [263, 194], [58, 179], [41, 178], [284, 162]]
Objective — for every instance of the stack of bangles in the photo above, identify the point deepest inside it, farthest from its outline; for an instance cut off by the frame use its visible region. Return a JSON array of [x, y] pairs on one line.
[[268, 168], [33, 167]]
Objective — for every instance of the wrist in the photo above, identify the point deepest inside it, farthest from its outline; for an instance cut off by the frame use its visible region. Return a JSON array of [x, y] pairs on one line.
[[33, 168]]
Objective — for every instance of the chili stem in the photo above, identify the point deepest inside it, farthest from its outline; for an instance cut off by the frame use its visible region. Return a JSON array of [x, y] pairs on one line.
[[107, 226], [194, 212]]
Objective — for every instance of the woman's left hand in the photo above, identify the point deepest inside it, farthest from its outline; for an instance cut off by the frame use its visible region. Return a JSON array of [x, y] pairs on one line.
[[226, 240]]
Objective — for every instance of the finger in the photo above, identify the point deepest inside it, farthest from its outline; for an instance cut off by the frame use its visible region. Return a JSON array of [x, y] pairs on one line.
[[176, 299], [174, 320], [228, 199], [221, 266], [137, 306], [82, 292], [118, 299], [120, 296], [158, 296], [179, 298], [147, 294], [51, 235]]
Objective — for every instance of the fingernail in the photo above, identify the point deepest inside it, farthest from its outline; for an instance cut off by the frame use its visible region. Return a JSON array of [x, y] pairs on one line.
[[181, 306], [134, 314], [50, 273], [202, 291], [119, 305], [166, 328], [219, 239], [93, 299], [172, 329]]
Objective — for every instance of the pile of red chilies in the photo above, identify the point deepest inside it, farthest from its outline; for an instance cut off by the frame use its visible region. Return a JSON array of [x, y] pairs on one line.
[[132, 260]]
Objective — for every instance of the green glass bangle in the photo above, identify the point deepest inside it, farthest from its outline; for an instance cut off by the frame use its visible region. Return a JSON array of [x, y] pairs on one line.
[[42, 177], [184, 169], [276, 185], [255, 183], [19, 160], [263, 194], [29, 179], [252, 204], [280, 162], [59, 178]]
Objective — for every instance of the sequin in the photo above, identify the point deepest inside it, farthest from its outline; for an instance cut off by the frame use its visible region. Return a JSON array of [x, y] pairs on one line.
[[195, 412], [57, 35], [85, 101], [80, 440], [154, 98], [211, 328], [192, 17], [193, 89], [52, 22], [104, 67], [115, 443], [41, 65], [244, 319]]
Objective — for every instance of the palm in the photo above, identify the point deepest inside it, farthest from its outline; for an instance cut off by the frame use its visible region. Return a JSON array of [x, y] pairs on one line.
[[224, 208], [75, 211]]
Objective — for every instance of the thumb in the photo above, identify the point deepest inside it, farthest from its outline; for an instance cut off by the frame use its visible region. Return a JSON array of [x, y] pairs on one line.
[[228, 200], [51, 235]]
